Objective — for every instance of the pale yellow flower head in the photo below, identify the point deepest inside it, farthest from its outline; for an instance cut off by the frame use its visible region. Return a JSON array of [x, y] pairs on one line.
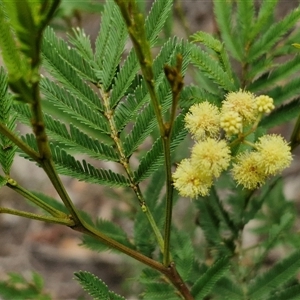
[[211, 155], [190, 181], [247, 170], [243, 103], [275, 153], [203, 120], [231, 122], [264, 104]]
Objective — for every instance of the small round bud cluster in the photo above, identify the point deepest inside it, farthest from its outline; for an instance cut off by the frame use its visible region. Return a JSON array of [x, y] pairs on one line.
[[231, 122], [264, 104]]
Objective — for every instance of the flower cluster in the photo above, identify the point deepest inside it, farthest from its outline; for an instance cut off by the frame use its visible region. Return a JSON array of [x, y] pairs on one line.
[[211, 155]]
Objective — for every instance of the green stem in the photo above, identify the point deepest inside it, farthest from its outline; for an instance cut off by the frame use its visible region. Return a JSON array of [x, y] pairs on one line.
[[16, 140], [136, 28], [124, 161], [169, 201], [295, 137], [48, 219], [170, 272], [59, 187], [175, 79], [34, 199]]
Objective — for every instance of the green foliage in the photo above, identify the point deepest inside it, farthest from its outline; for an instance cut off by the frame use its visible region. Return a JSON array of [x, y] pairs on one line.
[[207, 281], [7, 148], [18, 287], [108, 115], [263, 285], [95, 287]]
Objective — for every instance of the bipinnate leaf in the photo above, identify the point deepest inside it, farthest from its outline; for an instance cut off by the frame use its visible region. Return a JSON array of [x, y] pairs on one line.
[[95, 287], [7, 118], [9, 51], [264, 17], [159, 291], [212, 68], [183, 252], [223, 13], [228, 290], [272, 35], [289, 293], [279, 274], [18, 287], [203, 286], [80, 62]]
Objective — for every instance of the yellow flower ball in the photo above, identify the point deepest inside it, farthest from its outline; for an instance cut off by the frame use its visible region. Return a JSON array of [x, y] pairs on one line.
[[203, 119], [190, 181], [211, 155], [275, 153], [247, 171], [241, 102]]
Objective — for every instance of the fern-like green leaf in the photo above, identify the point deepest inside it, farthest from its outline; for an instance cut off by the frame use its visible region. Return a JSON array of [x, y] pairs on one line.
[[155, 157], [223, 13], [124, 78], [203, 286], [79, 62], [73, 140], [290, 293], [245, 17], [195, 94], [212, 68], [111, 230], [208, 40], [146, 121], [263, 285], [110, 43], [127, 110], [159, 291], [95, 286], [281, 115], [67, 75], [277, 229], [282, 72], [17, 287], [67, 165], [8, 46], [214, 44], [272, 35], [153, 26], [156, 19], [226, 289], [83, 171], [289, 91], [210, 224], [7, 118], [74, 106], [265, 13], [3, 181], [183, 253], [82, 43]]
